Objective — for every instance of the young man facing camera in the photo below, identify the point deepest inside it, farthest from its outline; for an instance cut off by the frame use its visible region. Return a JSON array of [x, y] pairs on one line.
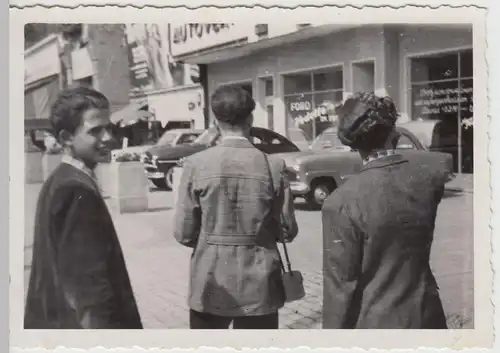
[[78, 276]]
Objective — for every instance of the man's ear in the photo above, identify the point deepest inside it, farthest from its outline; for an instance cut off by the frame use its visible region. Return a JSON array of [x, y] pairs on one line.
[[65, 138]]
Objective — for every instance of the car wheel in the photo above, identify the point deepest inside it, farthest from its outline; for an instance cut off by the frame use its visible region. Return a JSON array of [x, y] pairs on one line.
[[159, 183], [169, 178], [320, 190]]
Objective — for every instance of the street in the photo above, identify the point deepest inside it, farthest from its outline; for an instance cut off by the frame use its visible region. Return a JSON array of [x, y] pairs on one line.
[[159, 267]]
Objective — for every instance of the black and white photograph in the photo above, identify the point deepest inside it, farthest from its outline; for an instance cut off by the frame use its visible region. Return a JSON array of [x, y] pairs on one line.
[[232, 175]]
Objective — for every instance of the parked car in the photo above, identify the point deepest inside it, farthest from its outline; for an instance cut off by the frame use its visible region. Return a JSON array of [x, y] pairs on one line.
[[173, 137], [442, 136], [160, 160], [316, 173]]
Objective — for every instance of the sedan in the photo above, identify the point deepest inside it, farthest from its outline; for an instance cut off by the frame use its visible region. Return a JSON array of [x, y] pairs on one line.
[[316, 173], [172, 137], [160, 161]]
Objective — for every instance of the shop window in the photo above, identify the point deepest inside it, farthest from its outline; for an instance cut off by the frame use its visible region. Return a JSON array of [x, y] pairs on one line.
[[443, 67], [328, 80], [442, 90], [466, 67], [269, 87], [309, 97], [298, 83]]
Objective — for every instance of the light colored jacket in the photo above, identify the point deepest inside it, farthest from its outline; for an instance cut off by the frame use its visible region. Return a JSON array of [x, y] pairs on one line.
[[226, 211]]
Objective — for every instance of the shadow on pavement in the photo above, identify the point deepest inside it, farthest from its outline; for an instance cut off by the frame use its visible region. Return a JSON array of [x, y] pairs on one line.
[[452, 193], [155, 189], [158, 209]]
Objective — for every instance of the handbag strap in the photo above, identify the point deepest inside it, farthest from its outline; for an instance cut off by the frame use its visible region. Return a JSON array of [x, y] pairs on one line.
[[288, 263]]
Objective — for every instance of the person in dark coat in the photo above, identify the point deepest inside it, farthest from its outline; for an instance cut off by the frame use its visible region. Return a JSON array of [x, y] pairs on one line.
[[78, 275], [229, 214], [378, 230]]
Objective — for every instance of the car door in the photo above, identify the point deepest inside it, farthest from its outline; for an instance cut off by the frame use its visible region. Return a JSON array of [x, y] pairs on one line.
[[408, 141], [271, 142]]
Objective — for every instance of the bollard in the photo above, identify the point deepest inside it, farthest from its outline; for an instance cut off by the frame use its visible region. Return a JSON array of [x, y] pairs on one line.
[[49, 163], [104, 178], [176, 178], [129, 187], [33, 170]]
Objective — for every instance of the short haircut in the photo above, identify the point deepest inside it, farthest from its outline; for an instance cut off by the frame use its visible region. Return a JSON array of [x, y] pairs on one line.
[[232, 104], [68, 109]]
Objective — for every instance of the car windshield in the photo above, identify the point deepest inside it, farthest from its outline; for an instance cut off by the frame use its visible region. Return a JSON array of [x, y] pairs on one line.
[[206, 137], [328, 139], [167, 139]]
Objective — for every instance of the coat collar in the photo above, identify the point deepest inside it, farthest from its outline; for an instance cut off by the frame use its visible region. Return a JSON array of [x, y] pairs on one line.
[[384, 162], [240, 142], [78, 165]]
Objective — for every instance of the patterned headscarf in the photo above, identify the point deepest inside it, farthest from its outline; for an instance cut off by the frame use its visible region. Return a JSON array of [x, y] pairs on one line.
[[361, 113]]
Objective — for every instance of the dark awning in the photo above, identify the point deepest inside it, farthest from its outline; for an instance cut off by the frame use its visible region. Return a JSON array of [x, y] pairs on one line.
[[39, 97]]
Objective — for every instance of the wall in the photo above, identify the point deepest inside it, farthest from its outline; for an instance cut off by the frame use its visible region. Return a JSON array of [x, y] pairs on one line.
[[330, 50], [388, 45], [42, 60], [35, 32], [111, 66], [180, 104]]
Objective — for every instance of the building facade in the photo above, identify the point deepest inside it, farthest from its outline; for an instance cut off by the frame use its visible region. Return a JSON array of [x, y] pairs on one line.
[[74, 54], [170, 89], [295, 70], [43, 80]]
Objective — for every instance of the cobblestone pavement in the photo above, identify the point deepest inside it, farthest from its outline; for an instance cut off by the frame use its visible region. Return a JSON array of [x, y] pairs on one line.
[[159, 267]]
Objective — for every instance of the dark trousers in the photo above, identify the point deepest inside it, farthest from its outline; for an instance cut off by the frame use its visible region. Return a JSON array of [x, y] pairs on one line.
[[204, 321]]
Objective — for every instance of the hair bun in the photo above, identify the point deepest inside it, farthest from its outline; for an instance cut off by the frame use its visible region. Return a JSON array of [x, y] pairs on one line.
[[361, 113]]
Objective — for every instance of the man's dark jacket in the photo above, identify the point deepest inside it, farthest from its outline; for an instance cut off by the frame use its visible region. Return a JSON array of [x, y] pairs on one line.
[[377, 231], [78, 276]]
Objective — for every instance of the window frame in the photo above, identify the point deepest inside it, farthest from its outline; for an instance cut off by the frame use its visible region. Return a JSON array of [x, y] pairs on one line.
[[459, 79], [313, 92]]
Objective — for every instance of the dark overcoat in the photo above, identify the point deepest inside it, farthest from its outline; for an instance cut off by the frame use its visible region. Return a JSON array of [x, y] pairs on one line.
[[78, 275], [377, 230]]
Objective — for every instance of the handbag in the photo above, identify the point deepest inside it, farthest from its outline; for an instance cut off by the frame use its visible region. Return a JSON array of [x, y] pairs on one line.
[[293, 281]]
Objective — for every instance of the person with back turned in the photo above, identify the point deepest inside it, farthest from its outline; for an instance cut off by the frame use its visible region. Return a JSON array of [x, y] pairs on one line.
[[78, 275], [229, 213], [378, 229]]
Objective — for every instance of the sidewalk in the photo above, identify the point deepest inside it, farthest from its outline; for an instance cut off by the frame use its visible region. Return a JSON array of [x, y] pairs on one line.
[[159, 266], [159, 272]]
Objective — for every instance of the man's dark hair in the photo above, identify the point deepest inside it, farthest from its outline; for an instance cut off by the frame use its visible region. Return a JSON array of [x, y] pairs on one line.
[[68, 109], [232, 104], [366, 121]]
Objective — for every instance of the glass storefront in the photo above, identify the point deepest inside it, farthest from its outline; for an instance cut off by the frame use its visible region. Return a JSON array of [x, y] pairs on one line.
[[442, 90], [306, 94]]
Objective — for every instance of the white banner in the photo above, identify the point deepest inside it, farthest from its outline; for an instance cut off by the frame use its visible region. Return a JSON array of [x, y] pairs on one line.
[[42, 61], [82, 65], [191, 37]]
